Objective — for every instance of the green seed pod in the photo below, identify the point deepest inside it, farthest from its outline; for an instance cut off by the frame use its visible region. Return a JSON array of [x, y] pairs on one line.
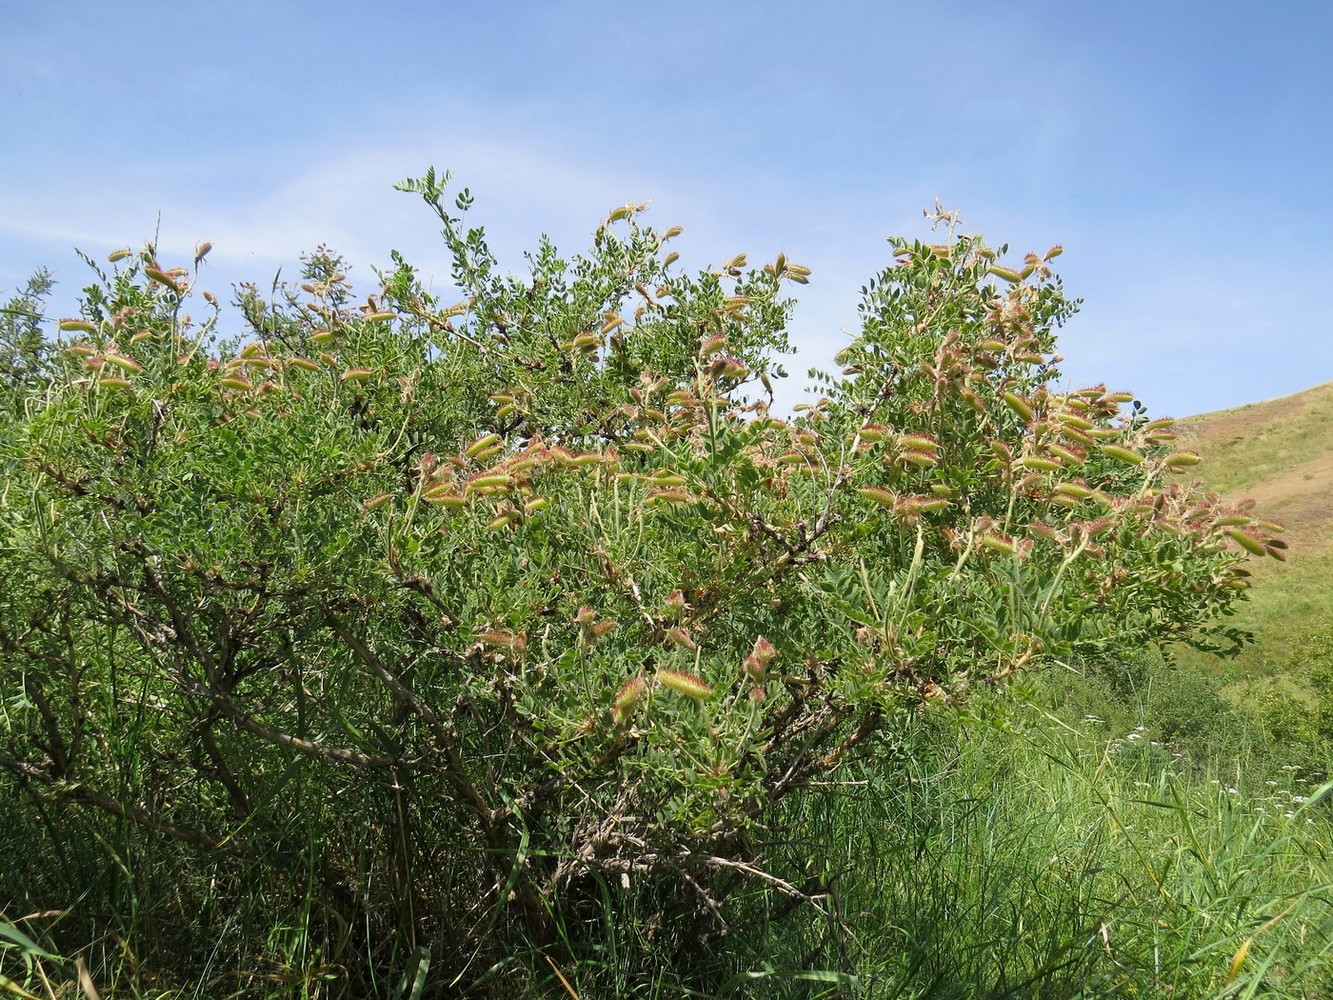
[[880, 495], [668, 497], [1000, 544], [1038, 462], [684, 683], [122, 362], [443, 496], [481, 444], [162, 278], [1249, 543], [918, 442], [1076, 490], [1066, 454], [491, 479], [627, 699], [1182, 460], [1018, 405], [1126, 455], [920, 459]]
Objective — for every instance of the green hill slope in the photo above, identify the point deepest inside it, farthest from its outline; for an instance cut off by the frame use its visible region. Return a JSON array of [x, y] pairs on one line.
[[1280, 454]]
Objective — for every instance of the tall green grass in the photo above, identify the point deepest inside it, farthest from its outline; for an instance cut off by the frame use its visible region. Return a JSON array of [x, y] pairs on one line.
[[1035, 860], [1001, 854]]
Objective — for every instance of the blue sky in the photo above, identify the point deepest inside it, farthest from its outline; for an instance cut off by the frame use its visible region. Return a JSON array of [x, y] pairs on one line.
[[1180, 151]]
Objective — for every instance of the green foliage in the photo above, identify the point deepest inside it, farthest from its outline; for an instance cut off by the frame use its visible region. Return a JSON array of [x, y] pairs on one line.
[[1032, 860], [23, 350], [454, 621]]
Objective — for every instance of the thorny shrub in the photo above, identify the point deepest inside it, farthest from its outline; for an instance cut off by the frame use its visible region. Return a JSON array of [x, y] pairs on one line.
[[529, 596]]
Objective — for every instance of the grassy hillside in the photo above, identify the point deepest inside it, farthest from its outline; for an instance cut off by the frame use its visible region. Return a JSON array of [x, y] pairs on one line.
[[1280, 454]]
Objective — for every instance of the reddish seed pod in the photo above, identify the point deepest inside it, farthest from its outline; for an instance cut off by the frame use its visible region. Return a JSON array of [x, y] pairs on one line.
[[681, 638]]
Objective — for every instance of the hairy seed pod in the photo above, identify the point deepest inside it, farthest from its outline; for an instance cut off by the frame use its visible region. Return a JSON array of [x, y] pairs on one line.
[[356, 375], [491, 479], [162, 278], [122, 362], [1076, 490], [679, 637], [1126, 455], [684, 683], [880, 495], [918, 442], [1249, 543], [585, 343], [1182, 460], [1000, 544], [1019, 405], [627, 699], [1038, 462], [1066, 454], [764, 651], [481, 444], [712, 345], [667, 497], [921, 459]]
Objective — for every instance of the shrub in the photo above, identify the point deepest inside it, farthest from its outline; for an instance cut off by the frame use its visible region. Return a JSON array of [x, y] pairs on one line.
[[430, 625]]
